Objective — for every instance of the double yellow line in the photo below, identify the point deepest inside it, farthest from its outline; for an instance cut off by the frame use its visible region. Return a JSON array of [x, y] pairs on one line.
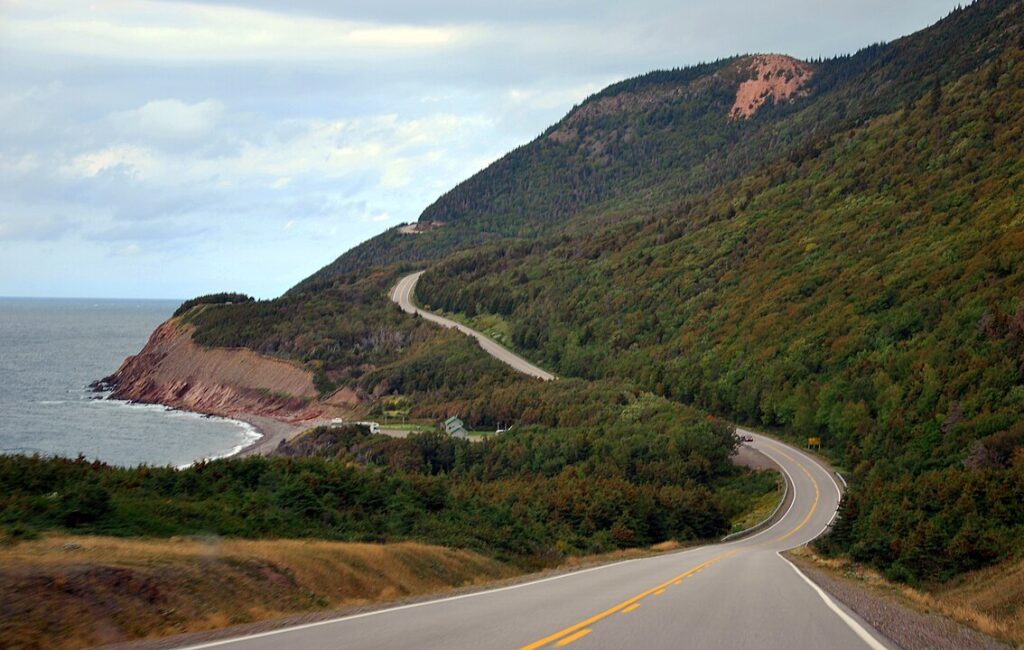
[[817, 496], [581, 629], [577, 631]]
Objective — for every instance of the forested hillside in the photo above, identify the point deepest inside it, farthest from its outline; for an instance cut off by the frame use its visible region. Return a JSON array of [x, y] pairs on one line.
[[666, 136], [828, 248], [601, 467], [867, 290]]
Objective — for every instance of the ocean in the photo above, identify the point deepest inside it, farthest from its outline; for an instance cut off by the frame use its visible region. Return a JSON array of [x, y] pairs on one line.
[[51, 349]]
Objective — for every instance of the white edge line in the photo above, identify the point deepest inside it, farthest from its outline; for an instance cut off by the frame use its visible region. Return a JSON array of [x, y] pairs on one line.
[[853, 624], [857, 628], [295, 628], [791, 503], [839, 493]]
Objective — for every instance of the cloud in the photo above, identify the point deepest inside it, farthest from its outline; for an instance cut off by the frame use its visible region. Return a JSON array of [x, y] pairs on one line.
[[18, 223], [131, 161], [172, 148], [149, 30], [131, 250], [169, 120]]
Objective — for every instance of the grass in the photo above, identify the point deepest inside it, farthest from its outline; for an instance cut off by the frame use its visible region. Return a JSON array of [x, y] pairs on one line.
[[990, 600], [68, 592], [73, 592], [491, 325], [761, 510], [750, 498], [408, 426]]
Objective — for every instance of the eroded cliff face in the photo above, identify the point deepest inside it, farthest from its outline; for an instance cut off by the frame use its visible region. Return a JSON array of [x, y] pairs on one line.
[[772, 76], [173, 370]]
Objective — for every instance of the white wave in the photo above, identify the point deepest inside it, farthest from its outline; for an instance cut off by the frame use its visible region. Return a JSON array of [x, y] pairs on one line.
[[250, 434]]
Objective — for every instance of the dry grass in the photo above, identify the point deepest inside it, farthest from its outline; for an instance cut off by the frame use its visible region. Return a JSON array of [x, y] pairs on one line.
[[73, 592], [664, 547], [990, 601]]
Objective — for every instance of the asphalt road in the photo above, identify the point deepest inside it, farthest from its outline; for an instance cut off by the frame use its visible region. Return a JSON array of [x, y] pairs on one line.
[[402, 294], [740, 594]]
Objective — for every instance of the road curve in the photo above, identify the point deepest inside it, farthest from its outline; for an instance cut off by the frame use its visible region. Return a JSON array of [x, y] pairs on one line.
[[740, 594], [402, 294]]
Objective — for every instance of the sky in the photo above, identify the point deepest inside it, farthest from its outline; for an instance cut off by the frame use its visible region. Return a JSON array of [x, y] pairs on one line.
[[164, 149]]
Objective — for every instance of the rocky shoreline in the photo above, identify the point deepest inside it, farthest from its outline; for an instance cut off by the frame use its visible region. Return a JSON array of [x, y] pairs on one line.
[[275, 397]]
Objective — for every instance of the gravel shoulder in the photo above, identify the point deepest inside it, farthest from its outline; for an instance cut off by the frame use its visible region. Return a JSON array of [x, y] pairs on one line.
[[890, 613]]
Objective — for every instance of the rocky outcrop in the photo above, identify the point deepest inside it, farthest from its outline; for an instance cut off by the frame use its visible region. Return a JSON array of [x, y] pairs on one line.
[[173, 370], [420, 227], [772, 76]]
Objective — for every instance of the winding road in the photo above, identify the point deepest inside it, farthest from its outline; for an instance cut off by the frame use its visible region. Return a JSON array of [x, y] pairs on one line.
[[402, 294], [740, 594]]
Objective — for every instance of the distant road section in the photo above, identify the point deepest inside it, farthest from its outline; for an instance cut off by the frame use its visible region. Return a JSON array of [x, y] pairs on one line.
[[402, 294]]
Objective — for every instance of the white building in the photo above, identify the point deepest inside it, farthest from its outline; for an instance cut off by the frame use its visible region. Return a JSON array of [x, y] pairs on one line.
[[455, 427]]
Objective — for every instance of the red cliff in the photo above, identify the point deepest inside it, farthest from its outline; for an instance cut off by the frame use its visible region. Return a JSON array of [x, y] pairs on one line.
[[173, 370], [771, 76]]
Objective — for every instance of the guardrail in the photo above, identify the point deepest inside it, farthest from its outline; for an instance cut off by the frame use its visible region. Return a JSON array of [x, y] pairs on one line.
[[767, 520]]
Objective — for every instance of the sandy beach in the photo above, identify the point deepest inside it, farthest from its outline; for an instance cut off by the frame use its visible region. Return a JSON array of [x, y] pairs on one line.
[[273, 432]]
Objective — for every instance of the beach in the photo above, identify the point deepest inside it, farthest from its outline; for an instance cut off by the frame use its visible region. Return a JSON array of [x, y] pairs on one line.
[[272, 433]]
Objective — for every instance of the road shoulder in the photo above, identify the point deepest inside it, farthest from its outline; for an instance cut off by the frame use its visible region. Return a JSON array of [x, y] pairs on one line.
[[888, 612]]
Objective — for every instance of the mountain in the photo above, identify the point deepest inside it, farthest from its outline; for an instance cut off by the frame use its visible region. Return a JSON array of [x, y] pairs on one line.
[[829, 248], [668, 135]]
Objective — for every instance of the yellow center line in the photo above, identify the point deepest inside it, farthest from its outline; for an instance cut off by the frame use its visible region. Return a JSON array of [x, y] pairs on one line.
[[577, 631], [575, 637], [624, 604], [817, 496]]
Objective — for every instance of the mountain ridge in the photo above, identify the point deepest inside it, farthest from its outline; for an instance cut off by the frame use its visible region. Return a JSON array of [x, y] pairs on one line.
[[849, 90]]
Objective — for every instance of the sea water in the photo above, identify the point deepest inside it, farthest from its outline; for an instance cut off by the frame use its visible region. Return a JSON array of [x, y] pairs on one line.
[[51, 349]]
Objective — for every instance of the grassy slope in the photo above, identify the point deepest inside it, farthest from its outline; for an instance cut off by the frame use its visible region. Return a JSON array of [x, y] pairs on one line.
[[990, 600], [73, 592]]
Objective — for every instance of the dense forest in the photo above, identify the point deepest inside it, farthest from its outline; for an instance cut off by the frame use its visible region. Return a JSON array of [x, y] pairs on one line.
[[642, 470], [867, 290]]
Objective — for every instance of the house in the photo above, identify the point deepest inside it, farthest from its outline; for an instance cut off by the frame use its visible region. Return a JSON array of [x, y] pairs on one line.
[[455, 427], [372, 426]]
